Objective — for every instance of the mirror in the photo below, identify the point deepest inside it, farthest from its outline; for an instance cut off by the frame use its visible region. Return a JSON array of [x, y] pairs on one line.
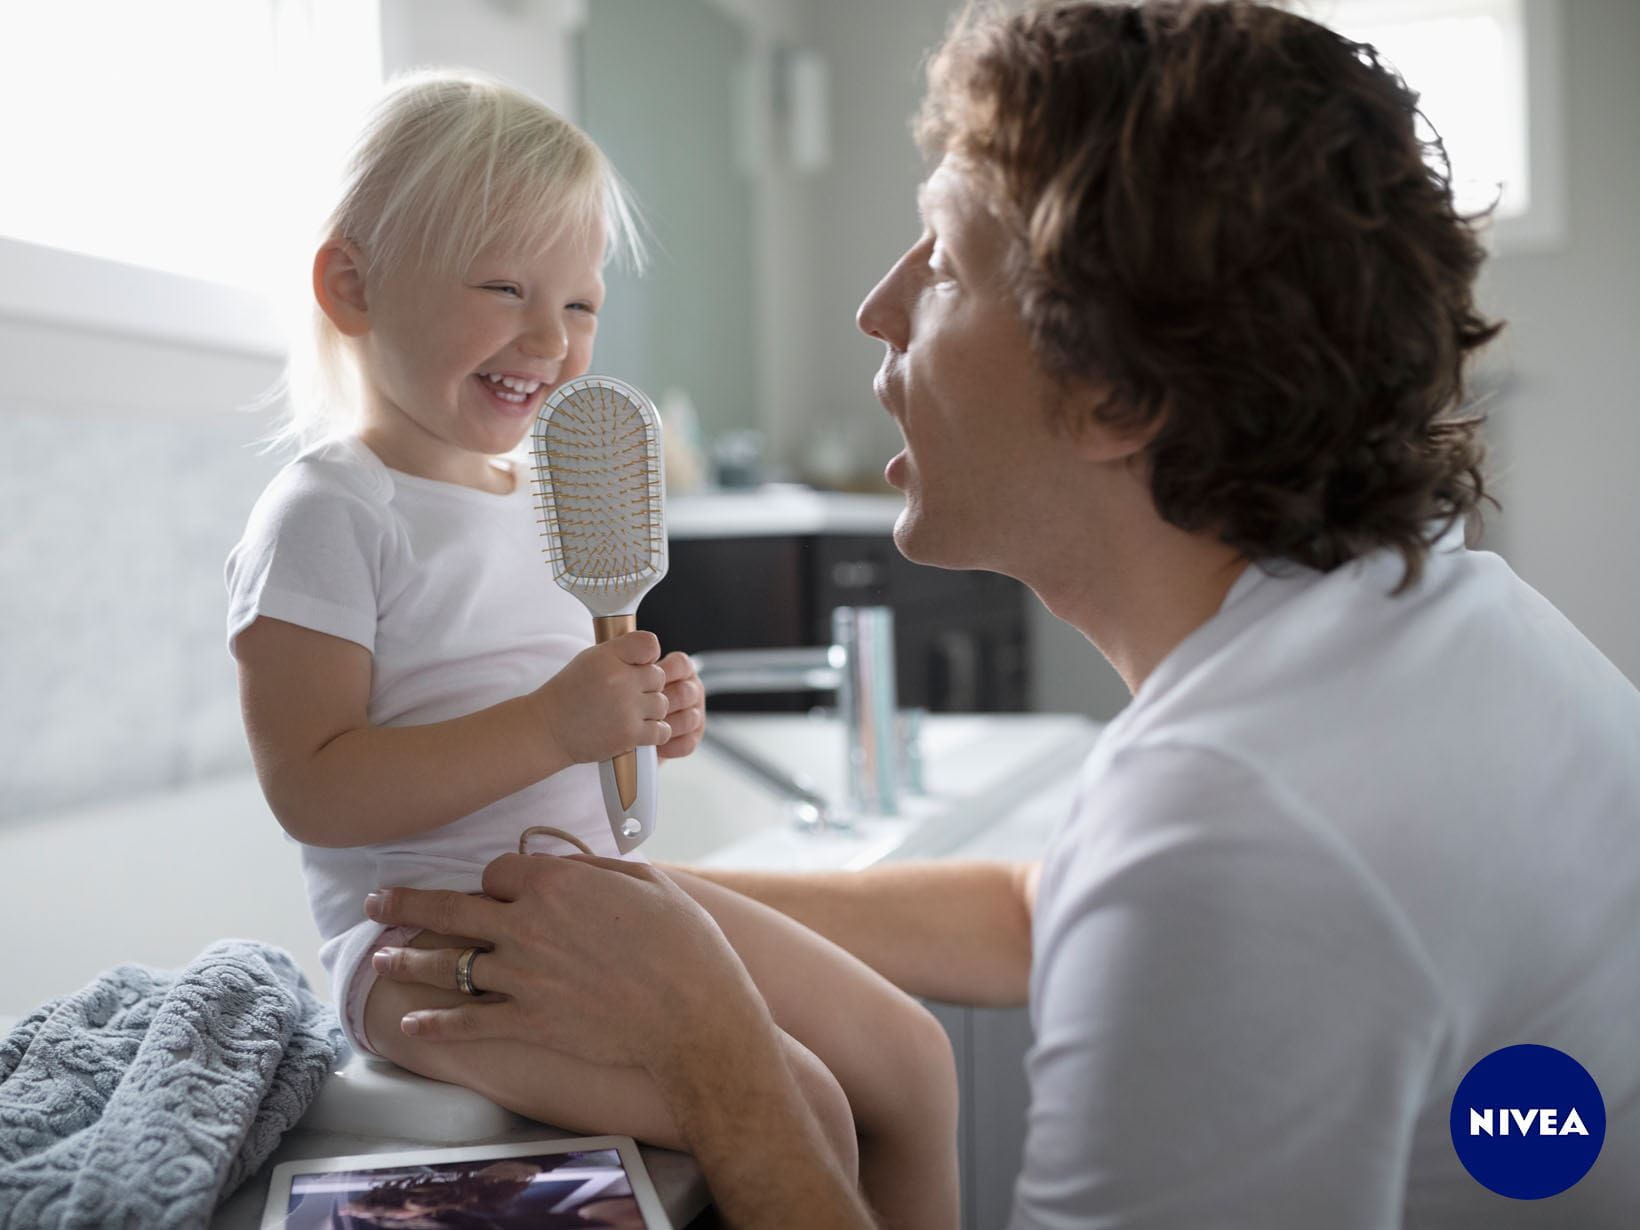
[[659, 88]]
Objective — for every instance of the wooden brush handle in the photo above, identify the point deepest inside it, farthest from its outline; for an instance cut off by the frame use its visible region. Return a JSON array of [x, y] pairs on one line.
[[607, 628]]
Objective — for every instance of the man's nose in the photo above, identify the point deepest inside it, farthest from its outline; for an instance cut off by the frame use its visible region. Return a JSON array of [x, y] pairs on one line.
[[881, 314]]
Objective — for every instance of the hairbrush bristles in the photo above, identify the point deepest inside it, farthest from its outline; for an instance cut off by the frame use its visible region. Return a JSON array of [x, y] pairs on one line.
[[597, 464]]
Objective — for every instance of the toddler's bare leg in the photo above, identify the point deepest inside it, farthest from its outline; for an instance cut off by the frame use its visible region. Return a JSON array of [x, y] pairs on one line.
[[555, 1088], [892, 1057]]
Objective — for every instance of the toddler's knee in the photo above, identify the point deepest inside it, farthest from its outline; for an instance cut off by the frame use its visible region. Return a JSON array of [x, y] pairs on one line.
[[916, 1048], [829, 1104]]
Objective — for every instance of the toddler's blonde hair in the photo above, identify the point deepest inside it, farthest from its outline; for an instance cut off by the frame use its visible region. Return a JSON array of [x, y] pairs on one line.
[[449, 160]]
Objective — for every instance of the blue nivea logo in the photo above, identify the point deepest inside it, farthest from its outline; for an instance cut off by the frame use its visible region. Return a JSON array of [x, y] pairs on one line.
[[1528, 1121]]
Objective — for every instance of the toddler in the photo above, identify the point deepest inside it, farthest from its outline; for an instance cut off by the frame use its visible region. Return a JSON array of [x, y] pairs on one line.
[[416, 689]]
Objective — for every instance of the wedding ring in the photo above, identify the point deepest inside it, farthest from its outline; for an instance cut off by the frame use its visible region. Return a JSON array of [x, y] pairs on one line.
[[464, 972]]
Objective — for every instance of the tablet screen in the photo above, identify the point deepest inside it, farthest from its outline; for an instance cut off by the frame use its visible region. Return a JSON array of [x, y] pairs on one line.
[[583, 1188]]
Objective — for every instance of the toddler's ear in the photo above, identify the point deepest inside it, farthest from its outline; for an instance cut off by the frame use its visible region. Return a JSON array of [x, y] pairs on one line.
[[338, 285]]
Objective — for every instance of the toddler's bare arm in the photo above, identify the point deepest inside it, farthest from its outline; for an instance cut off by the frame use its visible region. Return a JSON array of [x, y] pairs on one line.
[[334, 780]]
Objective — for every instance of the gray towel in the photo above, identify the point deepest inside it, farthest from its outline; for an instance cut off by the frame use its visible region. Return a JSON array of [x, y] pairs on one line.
[[145, 1098]]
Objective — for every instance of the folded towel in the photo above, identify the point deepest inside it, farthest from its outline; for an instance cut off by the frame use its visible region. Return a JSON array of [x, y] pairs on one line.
[[145, 1098]]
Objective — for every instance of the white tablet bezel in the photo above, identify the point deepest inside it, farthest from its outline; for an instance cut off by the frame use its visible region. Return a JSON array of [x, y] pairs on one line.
[[275, 1208]]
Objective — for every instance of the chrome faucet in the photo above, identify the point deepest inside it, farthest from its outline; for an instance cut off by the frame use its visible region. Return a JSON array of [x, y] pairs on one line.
[[859, 667]]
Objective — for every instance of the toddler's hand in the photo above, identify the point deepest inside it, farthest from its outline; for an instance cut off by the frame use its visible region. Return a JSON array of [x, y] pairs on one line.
[[609, 699], [685, 706]]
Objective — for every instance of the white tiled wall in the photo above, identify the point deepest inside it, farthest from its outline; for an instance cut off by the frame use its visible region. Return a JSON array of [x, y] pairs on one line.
[[114, 526]]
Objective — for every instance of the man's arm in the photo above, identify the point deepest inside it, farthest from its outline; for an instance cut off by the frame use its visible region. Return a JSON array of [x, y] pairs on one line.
[[955, 931], [738, 1105]]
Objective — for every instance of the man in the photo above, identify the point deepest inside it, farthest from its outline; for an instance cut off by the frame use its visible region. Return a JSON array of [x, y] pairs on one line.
[[1180, 348]]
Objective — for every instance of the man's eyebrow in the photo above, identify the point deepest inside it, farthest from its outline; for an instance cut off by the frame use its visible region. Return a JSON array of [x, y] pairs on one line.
[[926, 199]]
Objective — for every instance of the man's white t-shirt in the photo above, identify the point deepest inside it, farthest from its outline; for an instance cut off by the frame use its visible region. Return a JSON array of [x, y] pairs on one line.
[[449, 589], [1339, 847]]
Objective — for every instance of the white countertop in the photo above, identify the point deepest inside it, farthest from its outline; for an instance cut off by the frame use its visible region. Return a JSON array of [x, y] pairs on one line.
[[979, 770]]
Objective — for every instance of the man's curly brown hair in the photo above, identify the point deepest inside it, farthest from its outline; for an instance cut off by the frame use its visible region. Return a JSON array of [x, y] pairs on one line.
[[1224, 216]]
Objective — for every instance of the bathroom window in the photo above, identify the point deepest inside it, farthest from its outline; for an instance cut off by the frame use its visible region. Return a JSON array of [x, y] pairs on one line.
[[182, 138], [1487, 72], [171, 136]]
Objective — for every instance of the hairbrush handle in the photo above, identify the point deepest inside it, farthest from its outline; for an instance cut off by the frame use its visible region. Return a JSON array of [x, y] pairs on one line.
[[628, 780]]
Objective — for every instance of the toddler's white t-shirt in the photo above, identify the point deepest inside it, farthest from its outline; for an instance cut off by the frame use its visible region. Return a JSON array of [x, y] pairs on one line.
[[450, 590]]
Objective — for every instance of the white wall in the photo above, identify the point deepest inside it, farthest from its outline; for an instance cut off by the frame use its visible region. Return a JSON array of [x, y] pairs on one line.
[[124, 480], [525, 44], [1566, 435], [865, 211]]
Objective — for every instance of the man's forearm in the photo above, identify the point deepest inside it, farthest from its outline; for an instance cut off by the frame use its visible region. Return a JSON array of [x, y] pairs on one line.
[[956, 931], [744, 1120]]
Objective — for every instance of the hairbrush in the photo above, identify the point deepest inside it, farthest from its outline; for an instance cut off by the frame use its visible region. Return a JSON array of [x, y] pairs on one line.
[[600, 492]]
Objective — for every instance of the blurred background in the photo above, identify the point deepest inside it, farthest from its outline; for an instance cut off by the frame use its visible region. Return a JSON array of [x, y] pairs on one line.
[[165, 166]]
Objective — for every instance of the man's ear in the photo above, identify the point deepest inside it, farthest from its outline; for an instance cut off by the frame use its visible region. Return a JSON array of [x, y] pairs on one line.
[[1094, 439], [338, 285]]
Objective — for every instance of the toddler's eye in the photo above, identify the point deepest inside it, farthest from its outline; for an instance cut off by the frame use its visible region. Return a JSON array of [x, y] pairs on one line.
[[583, 306], [507, 287]]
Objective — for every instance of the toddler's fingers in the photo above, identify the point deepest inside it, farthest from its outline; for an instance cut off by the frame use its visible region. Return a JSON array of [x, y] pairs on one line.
[[687, 720], [685, 694], [638, 648], [679, 746], [677, 666], [657, 733]]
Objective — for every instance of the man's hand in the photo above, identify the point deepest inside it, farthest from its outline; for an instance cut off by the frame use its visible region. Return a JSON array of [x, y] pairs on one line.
[[611, 961], [600, 958]]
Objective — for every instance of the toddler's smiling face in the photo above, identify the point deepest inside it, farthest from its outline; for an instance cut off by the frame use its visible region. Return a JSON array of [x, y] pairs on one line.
[[455, 368]]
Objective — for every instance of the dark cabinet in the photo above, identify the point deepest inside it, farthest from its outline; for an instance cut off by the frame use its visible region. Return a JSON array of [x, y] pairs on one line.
[[960, 637]]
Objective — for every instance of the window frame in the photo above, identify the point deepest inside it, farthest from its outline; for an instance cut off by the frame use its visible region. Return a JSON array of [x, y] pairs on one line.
[[95, 294], [1542, 226]]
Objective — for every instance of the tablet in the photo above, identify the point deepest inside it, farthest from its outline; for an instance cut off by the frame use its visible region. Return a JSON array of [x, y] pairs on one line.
[[584, 1181]]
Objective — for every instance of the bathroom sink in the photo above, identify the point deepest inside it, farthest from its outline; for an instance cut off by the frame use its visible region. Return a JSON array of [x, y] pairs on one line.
[[975, 767]]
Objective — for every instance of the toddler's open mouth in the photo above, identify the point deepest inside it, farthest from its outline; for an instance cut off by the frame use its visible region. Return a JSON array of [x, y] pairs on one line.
[[510, 394]]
